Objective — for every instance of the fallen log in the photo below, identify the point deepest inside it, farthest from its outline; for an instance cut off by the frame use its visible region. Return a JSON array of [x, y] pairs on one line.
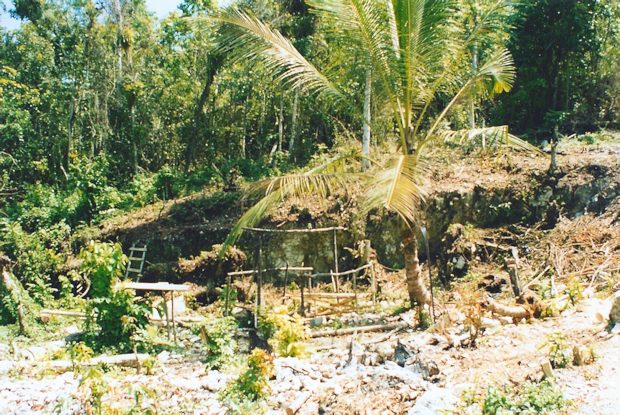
[[517, 313], [298, 403], [361, 329]]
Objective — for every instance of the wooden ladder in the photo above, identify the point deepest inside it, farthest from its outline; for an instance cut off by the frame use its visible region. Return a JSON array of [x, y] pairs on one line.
[[135, 263]]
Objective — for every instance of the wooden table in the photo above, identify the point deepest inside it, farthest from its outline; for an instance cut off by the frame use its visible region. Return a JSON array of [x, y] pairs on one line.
[[163, 287]]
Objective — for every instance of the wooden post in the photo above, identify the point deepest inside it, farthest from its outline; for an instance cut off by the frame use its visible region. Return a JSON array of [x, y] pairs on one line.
[[373, 284], [430, 274], [174, 327], [301, 286], [259, 281], [355, 290], [285, 279], [21, 319], [228, 284], [513, 271], [167, 317], [336, 277]]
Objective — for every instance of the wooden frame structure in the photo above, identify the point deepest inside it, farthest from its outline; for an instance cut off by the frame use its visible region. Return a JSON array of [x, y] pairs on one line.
[[304, 274]]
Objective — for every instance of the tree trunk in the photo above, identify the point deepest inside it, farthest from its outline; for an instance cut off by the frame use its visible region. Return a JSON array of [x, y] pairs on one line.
[[418, 293], [294, 119], [281, 124], [213, 66], [366, 128], [472, 105]]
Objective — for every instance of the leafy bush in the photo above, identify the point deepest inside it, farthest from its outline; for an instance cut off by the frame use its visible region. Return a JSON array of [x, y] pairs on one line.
[[114, 317], [103, 264], [252, 385], [285, 334], [532, 399], [218, 336], [39, 256]]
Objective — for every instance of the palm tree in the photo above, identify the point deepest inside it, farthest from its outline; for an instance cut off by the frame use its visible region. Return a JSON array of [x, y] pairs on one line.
[[417, 53]]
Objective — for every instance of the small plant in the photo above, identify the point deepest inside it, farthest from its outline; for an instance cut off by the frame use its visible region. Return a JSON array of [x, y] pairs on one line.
[[80, 354], [149, 365], [495, 401], [285, 334], [104, 264], [473, 322], [560, 355], [574, 291], [92, 387], [145, 401], [252, 385], [218, 336]]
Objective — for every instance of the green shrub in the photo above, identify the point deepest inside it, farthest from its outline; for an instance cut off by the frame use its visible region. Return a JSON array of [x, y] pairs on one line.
[[285, 334], [115, 322], [218, 336], [251, 386], [39, 257], [104, 264], [115, 318]]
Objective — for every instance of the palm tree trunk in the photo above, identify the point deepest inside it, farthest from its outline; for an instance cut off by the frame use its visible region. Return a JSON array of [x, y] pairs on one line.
[[294, 120], [418, 293], [366, 127], [472, 104]]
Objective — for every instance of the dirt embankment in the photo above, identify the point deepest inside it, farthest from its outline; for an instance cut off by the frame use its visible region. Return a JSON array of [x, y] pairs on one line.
[[479, 192]]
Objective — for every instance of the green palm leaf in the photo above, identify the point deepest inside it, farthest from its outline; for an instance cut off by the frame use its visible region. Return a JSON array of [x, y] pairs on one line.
[[397, 188], [321, 181], [248, 38]]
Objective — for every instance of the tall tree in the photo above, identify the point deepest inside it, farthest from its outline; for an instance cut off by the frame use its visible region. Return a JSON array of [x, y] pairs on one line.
[[416, 49]]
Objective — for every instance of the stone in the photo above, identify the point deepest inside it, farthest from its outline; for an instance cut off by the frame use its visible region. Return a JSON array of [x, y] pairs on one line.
[[582, 355], [434, 401], [318, 321], [402, 353]]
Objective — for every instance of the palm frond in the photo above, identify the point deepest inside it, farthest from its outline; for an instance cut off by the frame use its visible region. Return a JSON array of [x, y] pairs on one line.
[[492, 137], [497, 75], [251, 39], [320, 182], [397, 188]]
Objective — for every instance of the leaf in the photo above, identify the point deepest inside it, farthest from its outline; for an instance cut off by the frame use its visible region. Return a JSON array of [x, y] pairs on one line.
[[397, 188]]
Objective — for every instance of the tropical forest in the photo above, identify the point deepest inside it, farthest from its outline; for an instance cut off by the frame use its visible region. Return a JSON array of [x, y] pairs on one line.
[[308, 207]]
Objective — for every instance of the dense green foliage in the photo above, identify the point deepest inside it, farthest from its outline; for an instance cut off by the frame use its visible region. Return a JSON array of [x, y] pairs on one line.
[[103, 108], [566, 54]]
